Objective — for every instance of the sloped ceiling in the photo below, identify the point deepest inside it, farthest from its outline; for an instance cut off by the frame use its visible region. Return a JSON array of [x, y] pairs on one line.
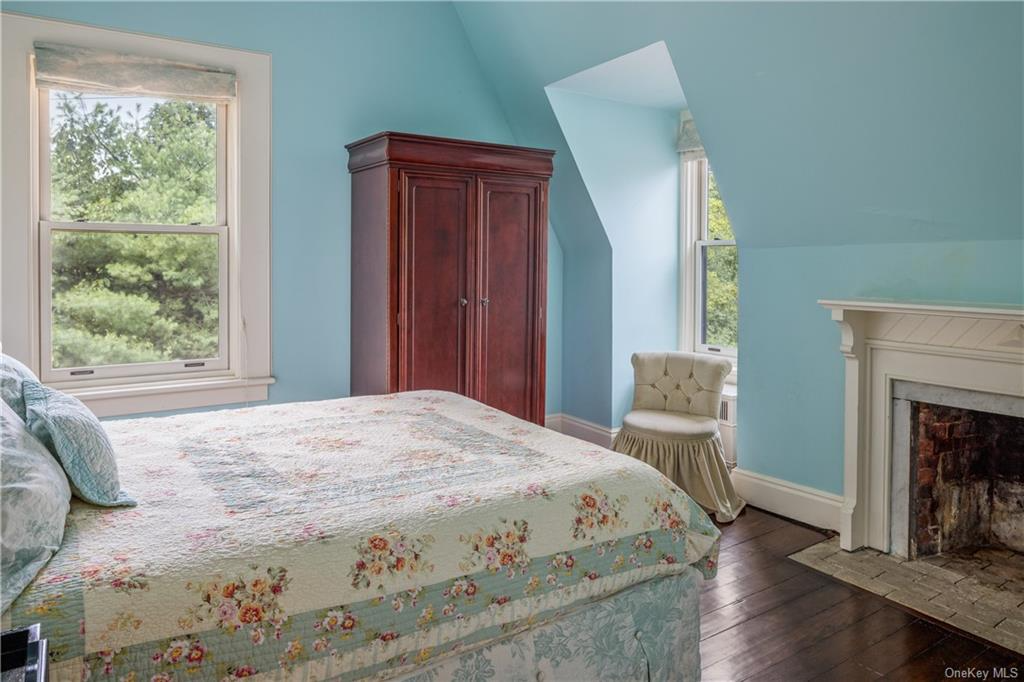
[[827, 123], [644, 78]]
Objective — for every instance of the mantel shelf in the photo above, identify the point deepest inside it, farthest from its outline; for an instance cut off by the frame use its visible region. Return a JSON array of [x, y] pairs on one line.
[[948, 308]]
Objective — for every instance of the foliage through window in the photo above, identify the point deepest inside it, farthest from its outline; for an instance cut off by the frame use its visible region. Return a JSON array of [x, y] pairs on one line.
[[719, 297], [135, 235]]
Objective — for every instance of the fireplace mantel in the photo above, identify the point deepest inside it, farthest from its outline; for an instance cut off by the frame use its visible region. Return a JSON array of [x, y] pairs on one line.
[[977, 347]]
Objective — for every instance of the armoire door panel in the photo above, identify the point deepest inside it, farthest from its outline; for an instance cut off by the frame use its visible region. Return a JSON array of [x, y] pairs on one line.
[[435, 260], [507, 281]]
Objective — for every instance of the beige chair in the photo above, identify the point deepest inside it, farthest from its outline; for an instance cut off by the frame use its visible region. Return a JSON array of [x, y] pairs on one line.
[[674, 426]]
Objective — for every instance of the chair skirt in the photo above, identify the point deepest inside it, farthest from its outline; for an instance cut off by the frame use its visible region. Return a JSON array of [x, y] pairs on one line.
[[696, 466]]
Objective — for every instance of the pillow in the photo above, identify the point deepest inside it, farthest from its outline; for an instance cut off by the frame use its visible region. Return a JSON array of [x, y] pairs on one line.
[[12, 375], [35, 497], [75, 436]]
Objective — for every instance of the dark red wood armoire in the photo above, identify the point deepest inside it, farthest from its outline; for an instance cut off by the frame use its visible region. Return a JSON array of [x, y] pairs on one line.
[[449, 269]]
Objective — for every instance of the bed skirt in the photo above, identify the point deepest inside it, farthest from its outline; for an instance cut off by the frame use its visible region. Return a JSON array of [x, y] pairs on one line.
[[650, 631], [696, 466]]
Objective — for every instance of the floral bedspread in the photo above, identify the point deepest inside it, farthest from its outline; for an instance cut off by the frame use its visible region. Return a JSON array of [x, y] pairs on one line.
[[347, 538]]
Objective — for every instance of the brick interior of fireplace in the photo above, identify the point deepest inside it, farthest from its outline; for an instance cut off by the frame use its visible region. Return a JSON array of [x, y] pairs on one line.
[[969, 480]]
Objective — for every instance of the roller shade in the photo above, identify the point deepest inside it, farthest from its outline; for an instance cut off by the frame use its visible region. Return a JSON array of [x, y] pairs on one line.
[[690, 145], [83, 69]]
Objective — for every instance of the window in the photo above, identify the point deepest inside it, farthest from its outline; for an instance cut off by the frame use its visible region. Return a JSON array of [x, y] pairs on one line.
[[136, 256], [710, 266], [134, 236]]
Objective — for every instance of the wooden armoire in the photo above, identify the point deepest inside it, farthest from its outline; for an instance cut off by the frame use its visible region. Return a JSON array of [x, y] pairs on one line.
[[449, 269]]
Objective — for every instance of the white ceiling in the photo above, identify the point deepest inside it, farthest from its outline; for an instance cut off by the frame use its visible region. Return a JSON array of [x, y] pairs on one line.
[[646, 77]]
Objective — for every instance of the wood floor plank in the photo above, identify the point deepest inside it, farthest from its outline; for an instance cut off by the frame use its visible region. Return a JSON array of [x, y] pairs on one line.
[[766, 617], [810, 662], [893, 651], [731, 591], [779, 542], [750, 633], [953, 652], [734, 568], [795, 632], [751, 523], [745, 609]]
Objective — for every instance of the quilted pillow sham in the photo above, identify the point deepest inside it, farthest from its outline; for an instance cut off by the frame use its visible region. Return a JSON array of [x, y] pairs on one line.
[[35, 498], [12, 375], [77, 439]]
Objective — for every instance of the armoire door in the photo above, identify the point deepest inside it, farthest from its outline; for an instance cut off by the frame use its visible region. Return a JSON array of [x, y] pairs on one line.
[[511, 288], [435, 260]]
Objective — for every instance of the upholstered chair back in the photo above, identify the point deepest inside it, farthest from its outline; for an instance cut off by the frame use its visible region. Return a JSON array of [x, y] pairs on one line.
[[679, 382]]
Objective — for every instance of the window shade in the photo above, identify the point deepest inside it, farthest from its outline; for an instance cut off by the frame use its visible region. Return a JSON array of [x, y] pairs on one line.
[[83, 69], [690, 145]]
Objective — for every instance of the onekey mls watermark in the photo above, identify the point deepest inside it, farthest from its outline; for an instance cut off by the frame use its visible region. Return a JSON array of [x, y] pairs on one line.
[[1008, 672]]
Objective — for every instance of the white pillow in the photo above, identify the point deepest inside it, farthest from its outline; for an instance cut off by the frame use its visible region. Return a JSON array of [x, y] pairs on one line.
[[35, 498]]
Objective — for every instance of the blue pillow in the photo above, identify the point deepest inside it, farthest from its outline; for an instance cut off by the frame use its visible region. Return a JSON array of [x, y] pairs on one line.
[[77, 439], [35, 497], [12, 375]]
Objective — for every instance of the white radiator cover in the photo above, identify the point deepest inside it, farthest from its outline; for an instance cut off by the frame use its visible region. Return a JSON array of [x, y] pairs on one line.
[[727, 425]]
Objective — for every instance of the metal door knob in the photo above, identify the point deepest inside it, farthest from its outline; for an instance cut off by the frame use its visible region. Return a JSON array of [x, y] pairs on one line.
[[463, 302], [485, 301]]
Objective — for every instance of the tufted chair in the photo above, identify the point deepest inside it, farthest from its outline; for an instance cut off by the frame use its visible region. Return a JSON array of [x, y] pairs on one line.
[[674, 426]]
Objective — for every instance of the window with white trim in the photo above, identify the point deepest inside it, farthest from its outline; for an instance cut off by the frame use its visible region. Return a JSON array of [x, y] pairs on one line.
[[136, 219], [709, 265], [134, 231]]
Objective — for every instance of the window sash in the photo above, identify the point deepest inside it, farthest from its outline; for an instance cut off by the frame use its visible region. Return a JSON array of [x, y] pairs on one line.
[[45, 140], [693, 193], [700, 266], [143, 371], [184, 366]]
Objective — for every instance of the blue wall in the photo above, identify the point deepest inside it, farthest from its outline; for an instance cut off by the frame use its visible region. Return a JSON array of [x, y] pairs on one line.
[[341, 71], [553, 403], [627, 157], [790, 407], [861, 149]]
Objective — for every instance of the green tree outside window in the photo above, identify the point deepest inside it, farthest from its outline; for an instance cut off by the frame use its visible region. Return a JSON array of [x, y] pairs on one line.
[[124, 297], [721, 276]]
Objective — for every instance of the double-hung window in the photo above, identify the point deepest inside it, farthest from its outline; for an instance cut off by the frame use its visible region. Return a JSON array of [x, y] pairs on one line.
[[709, 265], [135, 225], [136, 217]]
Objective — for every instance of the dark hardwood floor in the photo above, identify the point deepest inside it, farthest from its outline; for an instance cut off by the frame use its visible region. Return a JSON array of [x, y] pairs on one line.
[[766, 617]]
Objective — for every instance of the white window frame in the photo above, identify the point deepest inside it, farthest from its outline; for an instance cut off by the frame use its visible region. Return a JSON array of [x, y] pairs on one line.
[[693, 220], [73, 377], [242, 372]]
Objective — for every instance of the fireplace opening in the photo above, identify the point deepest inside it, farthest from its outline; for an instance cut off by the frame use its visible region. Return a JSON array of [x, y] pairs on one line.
[[966, 479]]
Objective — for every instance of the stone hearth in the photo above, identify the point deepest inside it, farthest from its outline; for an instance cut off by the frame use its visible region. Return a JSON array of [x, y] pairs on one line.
[[979, 591]]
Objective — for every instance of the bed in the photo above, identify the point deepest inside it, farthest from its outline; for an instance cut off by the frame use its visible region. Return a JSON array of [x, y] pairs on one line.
[[419, 536]]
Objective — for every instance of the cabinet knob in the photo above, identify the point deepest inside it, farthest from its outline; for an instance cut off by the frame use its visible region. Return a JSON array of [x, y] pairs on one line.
[[463, 302], [485, 301]]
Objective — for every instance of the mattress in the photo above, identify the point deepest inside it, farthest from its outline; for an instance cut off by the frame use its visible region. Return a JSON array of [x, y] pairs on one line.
[[347, 538]]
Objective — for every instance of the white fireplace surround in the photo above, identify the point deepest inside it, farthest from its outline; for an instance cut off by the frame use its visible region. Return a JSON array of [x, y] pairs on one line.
[[968, 347]]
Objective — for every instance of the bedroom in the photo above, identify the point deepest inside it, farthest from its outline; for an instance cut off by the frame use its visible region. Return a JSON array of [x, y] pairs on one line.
[[195, 251]]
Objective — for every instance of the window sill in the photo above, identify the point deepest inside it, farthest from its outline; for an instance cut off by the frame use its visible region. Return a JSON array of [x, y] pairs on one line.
[[733, 378], [158, 396]]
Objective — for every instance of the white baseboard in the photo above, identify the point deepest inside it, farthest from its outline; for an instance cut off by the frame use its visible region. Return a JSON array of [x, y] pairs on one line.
[[581, 428], [807, 505]]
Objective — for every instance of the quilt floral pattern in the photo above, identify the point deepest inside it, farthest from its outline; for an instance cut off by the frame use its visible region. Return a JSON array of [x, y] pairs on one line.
[[345, 539]]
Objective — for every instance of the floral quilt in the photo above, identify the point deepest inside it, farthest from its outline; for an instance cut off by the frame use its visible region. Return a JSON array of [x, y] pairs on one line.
[[351, 538]]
